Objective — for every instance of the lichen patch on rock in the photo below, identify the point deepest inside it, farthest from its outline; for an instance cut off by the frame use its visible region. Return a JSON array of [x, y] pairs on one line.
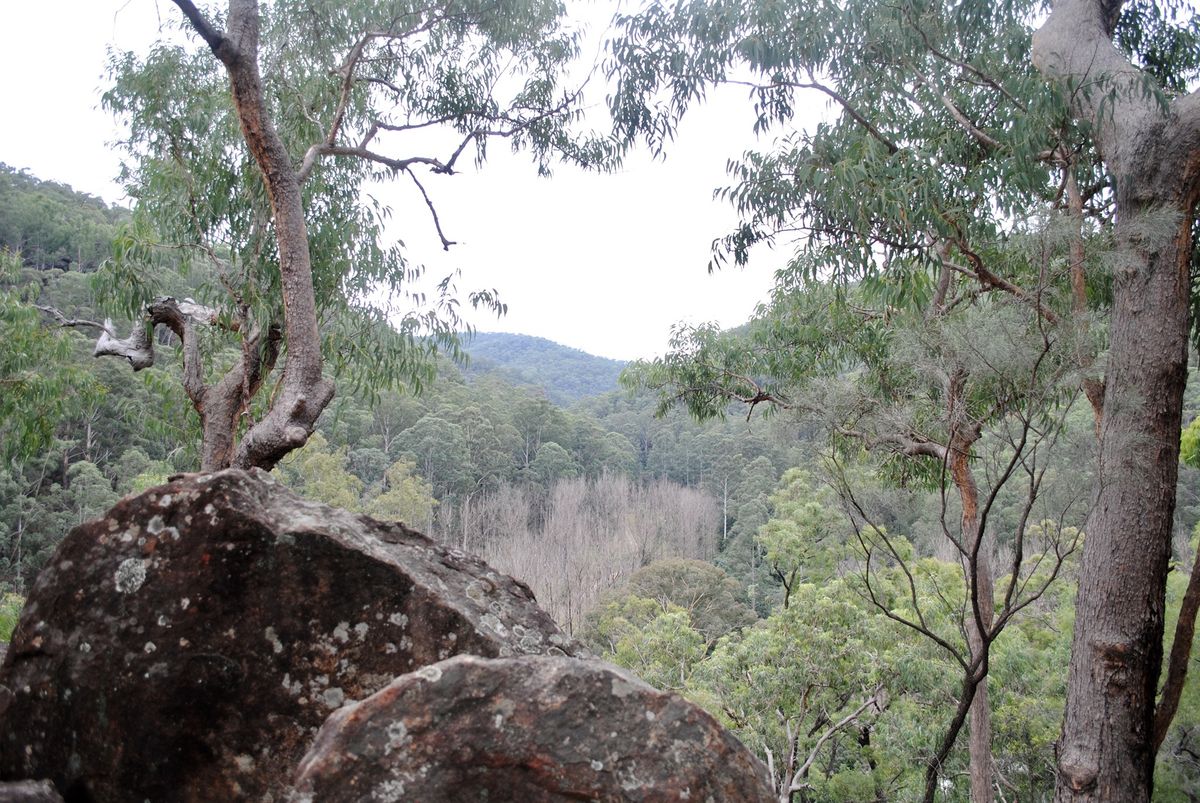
[[130, 575], [556, 731]]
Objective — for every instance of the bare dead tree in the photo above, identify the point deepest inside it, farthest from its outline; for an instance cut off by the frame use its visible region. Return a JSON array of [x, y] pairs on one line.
[[595, 534]]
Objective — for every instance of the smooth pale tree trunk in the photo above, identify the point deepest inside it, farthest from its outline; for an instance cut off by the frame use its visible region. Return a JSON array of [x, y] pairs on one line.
[[1152, 154], [980, 737], [304, 392]]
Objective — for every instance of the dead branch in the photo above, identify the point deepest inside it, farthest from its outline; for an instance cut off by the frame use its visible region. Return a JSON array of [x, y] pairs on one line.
[[876, 700]]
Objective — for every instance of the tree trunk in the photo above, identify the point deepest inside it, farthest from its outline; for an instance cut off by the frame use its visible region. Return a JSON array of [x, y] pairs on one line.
[[1151, 150], [980, 743], [304, 392], [1181, 652], [1107, 752], [977, 567], [724, 511]]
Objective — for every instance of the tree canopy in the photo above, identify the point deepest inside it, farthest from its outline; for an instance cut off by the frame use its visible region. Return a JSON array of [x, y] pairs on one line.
[[250, 160], [951, 185]]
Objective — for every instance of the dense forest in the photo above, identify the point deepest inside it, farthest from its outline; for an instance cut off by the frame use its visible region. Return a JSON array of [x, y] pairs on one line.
[[925, 527], [566, 375], [713, 557], [475, 459]]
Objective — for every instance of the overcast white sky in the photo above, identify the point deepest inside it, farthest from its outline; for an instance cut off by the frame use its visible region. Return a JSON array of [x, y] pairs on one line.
[[604, 263]]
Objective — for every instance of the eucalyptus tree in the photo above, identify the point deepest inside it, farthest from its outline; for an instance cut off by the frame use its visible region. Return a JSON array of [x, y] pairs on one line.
[[439, 450], [35, 372], [796, 687], [797, 540], [406, 496], [944, 143], [965, 404], [940, 146], [1148, 132], [250, 159]]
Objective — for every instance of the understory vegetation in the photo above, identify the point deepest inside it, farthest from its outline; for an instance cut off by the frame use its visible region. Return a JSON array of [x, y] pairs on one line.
[[908, 531], [725, 559]]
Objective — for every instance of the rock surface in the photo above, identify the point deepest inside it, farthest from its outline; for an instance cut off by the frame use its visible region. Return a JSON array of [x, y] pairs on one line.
[[528, 729], [29, 792], [188, 645]]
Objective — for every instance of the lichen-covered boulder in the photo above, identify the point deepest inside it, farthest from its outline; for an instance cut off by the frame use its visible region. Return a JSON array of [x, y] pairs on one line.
[[530, 729], [188, 645]]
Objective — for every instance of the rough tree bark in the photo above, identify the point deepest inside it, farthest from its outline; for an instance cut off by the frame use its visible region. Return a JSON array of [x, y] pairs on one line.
[[1152, 153]]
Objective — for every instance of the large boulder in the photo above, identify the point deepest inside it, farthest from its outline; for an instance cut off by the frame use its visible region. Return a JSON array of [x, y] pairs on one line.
[[187, 646], [530, 729]]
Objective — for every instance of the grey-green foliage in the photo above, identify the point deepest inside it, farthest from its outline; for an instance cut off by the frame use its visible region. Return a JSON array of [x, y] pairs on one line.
[[404, 496], [31, 526], [91, 493], [615, 454], [801, 540], [34, 519], [1177, 770], [40, 384], [433, 84], [713, 602], [490, 445], [943, 143], [1163, 38], [50, 225], [439, 448], [654, 639], [895, 165], [369, 464], [552, 463]]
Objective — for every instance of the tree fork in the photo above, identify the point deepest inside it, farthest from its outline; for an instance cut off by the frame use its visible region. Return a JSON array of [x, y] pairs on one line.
[[304, 392]]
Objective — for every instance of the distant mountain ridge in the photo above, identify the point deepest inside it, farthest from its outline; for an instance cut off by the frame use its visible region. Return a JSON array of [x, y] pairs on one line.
[[52, 226], [566, 374]]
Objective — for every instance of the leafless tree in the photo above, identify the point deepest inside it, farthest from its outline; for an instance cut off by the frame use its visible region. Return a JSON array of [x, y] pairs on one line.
[[596, 533]]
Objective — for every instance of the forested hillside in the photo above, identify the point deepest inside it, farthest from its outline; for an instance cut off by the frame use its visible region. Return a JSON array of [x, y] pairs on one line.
[[53, 226], [475, 459], [926, 527], [566, 374], [658, 538]]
